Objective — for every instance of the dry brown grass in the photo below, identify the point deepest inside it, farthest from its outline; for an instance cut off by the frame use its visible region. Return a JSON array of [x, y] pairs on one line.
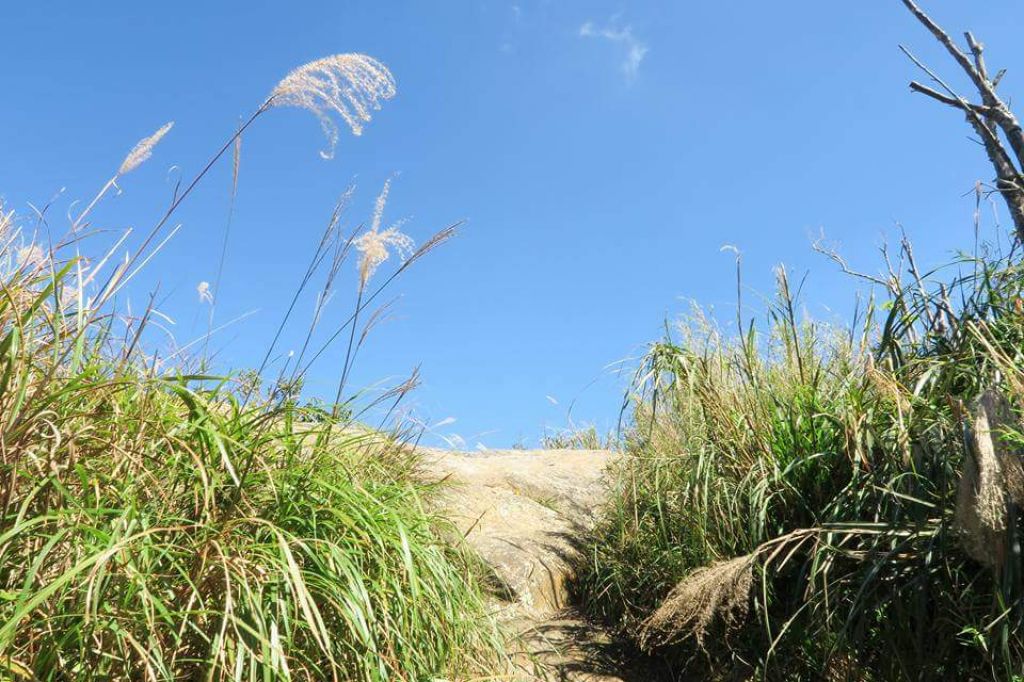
[[713, 596], [993, 477]]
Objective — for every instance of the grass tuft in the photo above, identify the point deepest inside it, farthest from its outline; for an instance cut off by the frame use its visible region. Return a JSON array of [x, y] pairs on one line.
[[830, 459], [161, 523], [156, 525]]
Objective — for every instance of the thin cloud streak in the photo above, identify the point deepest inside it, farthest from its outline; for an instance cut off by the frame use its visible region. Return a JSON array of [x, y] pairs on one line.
[[636, 49]]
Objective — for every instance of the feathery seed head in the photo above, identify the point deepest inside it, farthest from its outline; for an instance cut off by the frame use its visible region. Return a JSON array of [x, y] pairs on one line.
[[718, 594], [205, 295], [351, 85], [993, 477], [143, 150], [373, 247], [236, 163], [378, 206]]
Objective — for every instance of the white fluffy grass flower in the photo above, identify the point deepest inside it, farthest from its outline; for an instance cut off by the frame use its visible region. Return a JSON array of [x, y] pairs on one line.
[[205, 295], [374, 248], [374, 245], [143, 150], [350, 85]]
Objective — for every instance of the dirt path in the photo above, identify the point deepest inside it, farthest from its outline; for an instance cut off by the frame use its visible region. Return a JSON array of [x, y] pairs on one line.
[[522, 511]]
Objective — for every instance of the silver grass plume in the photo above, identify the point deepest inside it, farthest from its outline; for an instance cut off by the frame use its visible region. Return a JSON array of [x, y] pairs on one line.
[[350, 85], [719, 593], [374, 245], [143, 150]]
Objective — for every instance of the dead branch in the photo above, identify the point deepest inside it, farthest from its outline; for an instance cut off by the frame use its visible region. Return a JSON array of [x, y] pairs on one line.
[[833, 254], [959, 103], [990, 118]]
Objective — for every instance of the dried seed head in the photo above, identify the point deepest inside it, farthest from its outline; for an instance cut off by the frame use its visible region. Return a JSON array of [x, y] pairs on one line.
[[716, 594], [143, 150], [993, 476], [236, 162], [205, 295], [374, 249], [373, 245], [351, 85], [378, 206]]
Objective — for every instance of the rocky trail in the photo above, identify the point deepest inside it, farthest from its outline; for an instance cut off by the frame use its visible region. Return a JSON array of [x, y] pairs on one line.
[[522, 511]]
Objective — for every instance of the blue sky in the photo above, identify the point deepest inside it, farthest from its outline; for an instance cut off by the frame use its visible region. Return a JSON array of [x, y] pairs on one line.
[[602, 152]]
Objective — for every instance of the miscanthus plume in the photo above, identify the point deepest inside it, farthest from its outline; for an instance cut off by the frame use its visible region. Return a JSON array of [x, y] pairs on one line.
[[375, 244], [143, 150], [350, 85]]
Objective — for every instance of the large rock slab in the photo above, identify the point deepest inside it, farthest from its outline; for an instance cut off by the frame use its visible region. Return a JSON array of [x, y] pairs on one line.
[[522, 511]]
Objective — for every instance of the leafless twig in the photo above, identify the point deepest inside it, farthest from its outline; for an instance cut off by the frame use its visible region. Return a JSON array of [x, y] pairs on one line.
[[989, 118]]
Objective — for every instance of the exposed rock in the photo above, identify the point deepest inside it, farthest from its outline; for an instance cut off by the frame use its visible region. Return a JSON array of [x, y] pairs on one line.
[[522, 512]]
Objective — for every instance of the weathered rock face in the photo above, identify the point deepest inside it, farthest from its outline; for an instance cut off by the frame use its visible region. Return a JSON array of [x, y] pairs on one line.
[[523, 512]]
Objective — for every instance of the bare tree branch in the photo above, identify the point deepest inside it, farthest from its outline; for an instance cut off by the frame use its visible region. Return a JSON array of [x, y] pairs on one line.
[[1001, 160], [959, 103], [976, 50], [988, 119], [980, 82]]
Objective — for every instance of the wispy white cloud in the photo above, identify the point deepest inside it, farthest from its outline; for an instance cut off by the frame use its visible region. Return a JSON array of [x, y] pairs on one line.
[[512, 31], [635, 49]]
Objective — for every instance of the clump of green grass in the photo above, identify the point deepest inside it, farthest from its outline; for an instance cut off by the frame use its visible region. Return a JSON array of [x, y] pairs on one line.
[[162, 524], [157, 529], [578, 438], [829, 460], [805, 502]]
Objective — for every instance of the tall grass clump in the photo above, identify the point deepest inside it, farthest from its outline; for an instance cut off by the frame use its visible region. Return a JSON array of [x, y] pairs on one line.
[[801, 501], [162, 524]]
